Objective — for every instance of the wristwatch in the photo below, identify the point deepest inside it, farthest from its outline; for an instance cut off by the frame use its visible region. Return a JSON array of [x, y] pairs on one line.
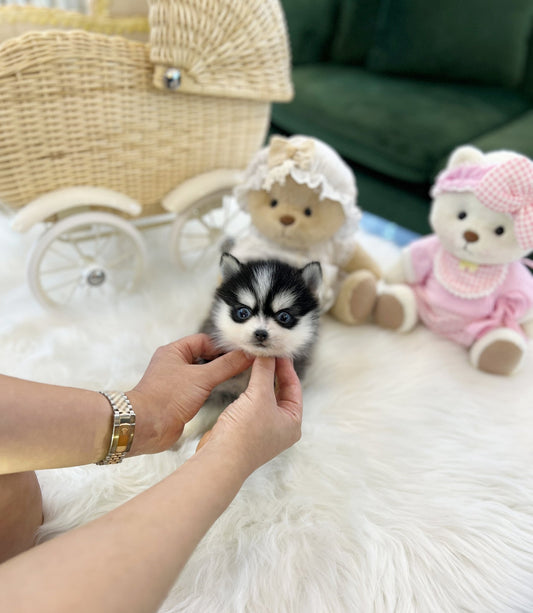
[[123, 427]]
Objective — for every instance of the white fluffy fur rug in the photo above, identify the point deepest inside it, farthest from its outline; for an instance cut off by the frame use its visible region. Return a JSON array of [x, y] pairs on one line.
[[410, 491]]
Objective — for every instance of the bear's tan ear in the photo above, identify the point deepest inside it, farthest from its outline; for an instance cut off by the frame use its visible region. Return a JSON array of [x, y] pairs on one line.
[[462, 156]]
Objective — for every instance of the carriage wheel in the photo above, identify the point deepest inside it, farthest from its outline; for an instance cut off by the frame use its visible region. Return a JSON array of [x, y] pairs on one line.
[[199, 232], [85, 258]]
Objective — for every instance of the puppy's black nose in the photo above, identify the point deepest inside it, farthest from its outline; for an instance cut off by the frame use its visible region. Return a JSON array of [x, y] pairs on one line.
[[261, 335]]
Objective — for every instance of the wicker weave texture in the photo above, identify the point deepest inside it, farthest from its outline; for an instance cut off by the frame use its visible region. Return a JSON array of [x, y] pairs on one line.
[[20, 19], [79, 108], [223, 47]]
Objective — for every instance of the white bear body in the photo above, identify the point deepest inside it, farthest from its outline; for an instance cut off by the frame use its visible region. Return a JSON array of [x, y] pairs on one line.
[[467, 281]]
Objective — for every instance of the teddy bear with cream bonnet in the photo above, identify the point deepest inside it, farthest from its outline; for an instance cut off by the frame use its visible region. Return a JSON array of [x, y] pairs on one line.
[[301, 197], [468, 281]]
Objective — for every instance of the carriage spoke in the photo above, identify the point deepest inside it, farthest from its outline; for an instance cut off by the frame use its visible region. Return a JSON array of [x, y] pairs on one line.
[[74, 243], [69, 258], [107, 240], [58, 269], [84, 258], [73, 281], [71, 293], [122, 258]]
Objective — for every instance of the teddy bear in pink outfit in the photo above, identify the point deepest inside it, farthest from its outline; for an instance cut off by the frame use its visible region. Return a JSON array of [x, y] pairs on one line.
[[468, 281]]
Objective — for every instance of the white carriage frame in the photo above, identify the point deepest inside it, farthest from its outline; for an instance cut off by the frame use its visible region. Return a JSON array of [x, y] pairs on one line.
[[197, 209]]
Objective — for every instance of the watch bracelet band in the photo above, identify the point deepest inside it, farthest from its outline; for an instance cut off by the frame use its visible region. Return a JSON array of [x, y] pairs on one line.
[[123, 427]]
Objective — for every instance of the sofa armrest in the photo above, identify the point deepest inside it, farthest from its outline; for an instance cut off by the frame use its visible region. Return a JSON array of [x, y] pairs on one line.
[[517, 135]]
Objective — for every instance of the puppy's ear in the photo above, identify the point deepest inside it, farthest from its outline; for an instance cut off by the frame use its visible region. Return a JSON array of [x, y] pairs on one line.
[[229, 266], [312, 276]]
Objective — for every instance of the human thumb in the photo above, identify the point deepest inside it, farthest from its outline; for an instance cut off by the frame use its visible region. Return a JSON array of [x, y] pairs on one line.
[[226, 366]]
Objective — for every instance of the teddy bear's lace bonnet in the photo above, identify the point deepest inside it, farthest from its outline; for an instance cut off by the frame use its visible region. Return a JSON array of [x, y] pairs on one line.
[[309, 162]]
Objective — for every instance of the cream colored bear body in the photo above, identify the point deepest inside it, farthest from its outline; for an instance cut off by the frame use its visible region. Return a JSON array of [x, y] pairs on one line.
[[301, 199], [467, 281]]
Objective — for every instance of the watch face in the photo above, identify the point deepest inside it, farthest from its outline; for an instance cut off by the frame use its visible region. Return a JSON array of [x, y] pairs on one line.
[[123, 427], [124, 433]]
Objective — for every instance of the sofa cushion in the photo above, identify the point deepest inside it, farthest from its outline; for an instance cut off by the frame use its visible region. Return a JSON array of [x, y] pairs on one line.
[[311, 28], [355, 31], [477, 40], [397, 126]]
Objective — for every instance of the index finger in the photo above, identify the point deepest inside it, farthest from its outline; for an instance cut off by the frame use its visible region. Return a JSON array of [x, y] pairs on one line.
[[263, 372], [289, 388]]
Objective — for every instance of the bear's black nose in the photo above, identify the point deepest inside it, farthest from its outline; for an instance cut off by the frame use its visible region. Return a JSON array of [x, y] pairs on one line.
[[261, 335]]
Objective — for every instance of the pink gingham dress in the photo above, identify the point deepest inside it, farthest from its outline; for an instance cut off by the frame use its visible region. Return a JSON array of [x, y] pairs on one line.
[[462, 301]]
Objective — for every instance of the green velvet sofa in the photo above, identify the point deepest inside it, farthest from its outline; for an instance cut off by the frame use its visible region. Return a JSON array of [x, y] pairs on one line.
[[396, 85]]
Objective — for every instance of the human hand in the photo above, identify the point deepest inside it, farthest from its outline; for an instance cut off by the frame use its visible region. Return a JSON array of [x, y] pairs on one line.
[[174, 387], [263, 421]]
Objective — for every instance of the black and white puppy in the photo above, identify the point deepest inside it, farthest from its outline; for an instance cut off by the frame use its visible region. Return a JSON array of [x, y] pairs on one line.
[[265, 308]]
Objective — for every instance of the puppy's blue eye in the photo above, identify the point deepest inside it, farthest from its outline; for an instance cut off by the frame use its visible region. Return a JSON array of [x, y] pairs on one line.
[[499, 230], [242, 313], [461, 215], [284, 318], [308, 212]]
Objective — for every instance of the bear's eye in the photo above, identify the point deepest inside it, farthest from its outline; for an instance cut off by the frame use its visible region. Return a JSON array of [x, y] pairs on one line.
[[284, 318], [242, 313], [461, 215], [273, 203], [308, 212], [499, 230]]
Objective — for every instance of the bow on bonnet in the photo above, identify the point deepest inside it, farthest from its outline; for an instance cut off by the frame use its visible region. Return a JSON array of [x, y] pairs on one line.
[[505, 188], [291, 152]]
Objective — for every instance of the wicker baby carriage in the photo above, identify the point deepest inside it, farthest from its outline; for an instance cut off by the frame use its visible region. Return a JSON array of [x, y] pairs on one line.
[[98, 129]]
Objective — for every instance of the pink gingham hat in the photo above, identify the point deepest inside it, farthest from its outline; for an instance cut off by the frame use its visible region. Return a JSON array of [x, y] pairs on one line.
[[505, 187]]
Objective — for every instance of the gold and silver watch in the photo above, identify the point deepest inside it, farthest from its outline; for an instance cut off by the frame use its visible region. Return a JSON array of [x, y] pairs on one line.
[[123, 427]]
